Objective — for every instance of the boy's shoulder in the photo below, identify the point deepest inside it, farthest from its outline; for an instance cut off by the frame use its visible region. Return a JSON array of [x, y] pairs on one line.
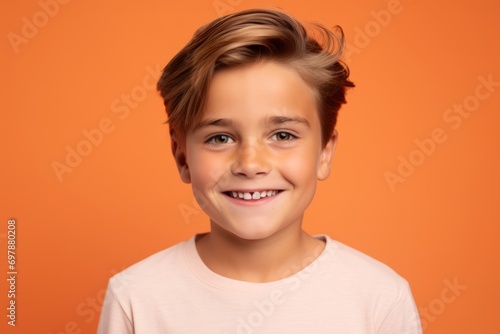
[[154, 269], [359, 262], [362, 275], [356, 264]]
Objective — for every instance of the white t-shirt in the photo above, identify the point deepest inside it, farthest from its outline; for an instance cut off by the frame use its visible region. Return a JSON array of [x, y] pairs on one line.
[[341, 291]]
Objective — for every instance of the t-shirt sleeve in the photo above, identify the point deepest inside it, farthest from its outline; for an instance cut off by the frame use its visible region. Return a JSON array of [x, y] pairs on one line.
[[113, 318], [403, 317]]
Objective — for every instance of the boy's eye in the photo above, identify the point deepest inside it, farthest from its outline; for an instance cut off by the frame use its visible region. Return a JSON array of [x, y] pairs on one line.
[[220, 139], [282, 136]]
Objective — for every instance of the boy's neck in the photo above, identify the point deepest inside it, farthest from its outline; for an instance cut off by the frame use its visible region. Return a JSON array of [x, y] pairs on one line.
[[274, 258]]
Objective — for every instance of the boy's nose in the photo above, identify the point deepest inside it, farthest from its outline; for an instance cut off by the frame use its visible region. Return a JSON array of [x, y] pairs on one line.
[[251, 161]]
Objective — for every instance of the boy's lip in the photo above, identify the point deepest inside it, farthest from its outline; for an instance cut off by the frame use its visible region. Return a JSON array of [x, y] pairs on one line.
[[252, 194]]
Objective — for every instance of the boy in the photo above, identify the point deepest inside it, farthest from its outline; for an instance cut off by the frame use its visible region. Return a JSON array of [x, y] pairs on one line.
[[252, 102]]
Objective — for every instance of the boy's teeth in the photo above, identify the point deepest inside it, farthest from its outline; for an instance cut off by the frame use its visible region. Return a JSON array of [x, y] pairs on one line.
[[255, 195]]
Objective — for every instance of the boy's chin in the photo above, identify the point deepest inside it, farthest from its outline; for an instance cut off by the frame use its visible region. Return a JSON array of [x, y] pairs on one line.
[[246, 234]]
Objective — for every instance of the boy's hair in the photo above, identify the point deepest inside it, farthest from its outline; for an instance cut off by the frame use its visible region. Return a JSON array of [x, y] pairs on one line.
[[248, 37]]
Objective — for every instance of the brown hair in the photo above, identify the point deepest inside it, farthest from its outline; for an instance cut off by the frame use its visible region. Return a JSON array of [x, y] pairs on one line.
[[247, 37]]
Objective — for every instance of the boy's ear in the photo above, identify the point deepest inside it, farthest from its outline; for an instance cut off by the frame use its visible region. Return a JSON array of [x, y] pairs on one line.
[[325, 161], [179, 152]]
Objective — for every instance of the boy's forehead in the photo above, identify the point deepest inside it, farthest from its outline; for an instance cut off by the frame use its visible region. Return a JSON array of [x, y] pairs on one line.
[[264, 90]]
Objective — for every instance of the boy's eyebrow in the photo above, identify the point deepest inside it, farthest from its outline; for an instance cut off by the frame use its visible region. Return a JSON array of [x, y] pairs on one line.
[[277, 120], [212, 122], [274, 120]]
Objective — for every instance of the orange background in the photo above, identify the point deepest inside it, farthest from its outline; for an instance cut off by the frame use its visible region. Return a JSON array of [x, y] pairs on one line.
[[125, 201]]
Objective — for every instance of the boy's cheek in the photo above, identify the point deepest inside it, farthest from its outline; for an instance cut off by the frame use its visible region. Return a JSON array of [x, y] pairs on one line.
[[200, 198]]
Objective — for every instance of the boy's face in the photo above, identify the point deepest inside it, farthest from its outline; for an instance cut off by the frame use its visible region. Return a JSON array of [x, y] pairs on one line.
[[260, 139]]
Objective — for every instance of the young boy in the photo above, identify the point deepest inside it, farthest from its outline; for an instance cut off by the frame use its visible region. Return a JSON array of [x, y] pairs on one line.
[[252, 102]]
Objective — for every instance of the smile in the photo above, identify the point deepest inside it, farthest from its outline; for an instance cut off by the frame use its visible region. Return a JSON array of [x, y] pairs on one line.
[[254, 195]]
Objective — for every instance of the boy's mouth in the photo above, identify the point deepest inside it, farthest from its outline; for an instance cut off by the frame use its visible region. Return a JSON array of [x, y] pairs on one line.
[[251, 195]]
